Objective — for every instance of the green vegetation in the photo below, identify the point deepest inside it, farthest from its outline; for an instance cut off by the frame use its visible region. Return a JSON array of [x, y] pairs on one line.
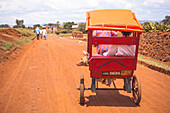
[[37, 25], [67, 27], [153, 62], [5, 26], [20, 24], [81, 27], [7, 35], [24, 31], [166, 20], [164, 25], [5, 45]]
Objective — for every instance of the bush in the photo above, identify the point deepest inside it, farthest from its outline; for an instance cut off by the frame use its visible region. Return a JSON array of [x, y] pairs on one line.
[[164, 25], [57, 32], [64, 31], [81, 27], [5, 25]]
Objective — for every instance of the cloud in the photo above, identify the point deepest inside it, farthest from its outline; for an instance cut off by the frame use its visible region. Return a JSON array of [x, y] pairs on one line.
[[153, 2], [45, 11]]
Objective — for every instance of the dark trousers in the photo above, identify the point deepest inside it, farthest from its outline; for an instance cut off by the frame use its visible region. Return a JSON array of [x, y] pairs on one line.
[[37, 36]]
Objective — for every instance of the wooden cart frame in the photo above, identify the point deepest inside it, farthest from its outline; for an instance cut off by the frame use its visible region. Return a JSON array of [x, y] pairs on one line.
[[113, 67]]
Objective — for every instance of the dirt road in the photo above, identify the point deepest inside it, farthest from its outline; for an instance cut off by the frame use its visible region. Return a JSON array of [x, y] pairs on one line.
[[44, 79]]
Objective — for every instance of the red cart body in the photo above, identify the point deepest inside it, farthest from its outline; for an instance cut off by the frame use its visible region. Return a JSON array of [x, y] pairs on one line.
[[109, 67], [112, 66]]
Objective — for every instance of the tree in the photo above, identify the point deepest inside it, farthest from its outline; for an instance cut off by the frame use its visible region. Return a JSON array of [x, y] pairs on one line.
[[58, 23], [15, 26], [37, 25], [147, 27], [81, 27], [51, 24], [155, 27], [4, 25], [166, 20], [23, 26], [19, 23], [68, 25]]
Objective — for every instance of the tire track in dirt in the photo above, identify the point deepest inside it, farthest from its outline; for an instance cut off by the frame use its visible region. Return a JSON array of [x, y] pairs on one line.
[[12, 86], [50, 77]]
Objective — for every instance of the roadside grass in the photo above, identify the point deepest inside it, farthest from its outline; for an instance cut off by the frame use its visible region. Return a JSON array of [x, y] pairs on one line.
[[19, 41], [4, 28], [153, 62], [7, 35], [24, 31], [6, 45]]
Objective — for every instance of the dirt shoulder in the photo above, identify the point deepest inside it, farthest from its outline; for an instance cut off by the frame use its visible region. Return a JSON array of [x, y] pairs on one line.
[[13, 39], [44, 80]]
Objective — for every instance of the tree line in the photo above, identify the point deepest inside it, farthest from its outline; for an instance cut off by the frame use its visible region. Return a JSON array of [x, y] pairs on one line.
[[67, 27], [163, 25]]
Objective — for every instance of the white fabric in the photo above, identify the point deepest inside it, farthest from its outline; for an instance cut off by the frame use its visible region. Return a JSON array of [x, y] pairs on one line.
[[41, 31], [112, 51], [44, 32], [126, 50], [121, 50]]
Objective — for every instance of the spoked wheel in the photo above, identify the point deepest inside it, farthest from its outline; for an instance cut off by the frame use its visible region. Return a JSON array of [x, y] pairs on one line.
[[136, 89], [82, 89]]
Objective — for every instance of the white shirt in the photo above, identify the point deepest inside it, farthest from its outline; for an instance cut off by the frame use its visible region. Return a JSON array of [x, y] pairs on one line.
[[41, 31], [44, 32]]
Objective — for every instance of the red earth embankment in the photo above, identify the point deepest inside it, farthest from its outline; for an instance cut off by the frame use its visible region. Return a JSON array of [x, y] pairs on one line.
[[155, 45], [11, 39]]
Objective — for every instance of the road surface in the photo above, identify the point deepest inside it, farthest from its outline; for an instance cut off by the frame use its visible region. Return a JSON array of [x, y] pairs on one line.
[[44, 77]]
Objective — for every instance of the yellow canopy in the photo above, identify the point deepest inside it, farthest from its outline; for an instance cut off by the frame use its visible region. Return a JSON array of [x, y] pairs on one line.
[[113, 19]]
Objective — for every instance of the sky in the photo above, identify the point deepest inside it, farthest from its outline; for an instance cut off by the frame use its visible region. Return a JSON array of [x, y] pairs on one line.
[[51, 11]]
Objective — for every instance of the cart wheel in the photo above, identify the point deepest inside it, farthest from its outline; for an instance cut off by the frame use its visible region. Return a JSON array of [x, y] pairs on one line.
[[82, 89], [136, 89]]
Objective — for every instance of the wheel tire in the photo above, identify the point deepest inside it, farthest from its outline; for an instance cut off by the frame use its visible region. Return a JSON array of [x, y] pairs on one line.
[[136, 90], [82, 89]]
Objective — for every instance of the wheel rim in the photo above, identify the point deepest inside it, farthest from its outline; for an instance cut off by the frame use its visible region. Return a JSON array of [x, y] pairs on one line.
[[135, 90], [81, 93], [136, 87], [82, 89]]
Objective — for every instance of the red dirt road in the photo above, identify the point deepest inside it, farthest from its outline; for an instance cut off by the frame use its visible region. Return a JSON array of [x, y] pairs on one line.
[[44, 79]]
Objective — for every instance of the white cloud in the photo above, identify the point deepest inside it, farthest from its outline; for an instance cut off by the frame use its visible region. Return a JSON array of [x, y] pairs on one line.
[[151, 2], [45, 11]]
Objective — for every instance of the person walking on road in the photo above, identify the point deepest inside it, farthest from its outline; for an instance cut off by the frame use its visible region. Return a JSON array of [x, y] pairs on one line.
[[37, 32], [41, 33], [44, 33]]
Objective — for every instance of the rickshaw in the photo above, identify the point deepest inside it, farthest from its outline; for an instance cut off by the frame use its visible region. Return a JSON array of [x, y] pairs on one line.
[[113, 67]]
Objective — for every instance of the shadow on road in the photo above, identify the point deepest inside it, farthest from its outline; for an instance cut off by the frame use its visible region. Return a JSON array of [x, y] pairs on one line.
[[109, 98]]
